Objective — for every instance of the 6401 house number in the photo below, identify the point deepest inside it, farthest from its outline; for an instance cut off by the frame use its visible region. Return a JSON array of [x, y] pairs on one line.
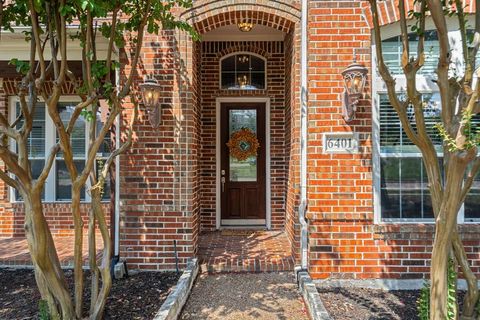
[[340, 142]]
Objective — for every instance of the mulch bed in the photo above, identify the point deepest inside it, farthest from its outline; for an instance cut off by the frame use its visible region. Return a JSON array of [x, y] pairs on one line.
[[137, 297], [369, 304]]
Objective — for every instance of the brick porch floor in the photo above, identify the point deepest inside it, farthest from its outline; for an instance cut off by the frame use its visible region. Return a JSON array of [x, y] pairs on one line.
[[255, 251], [14, 251]]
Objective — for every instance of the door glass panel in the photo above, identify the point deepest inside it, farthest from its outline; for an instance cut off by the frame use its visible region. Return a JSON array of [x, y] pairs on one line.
[[242, 170]]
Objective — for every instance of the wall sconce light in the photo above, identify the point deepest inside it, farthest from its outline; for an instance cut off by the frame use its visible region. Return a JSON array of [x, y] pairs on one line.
[[355, 77], [151, 99]]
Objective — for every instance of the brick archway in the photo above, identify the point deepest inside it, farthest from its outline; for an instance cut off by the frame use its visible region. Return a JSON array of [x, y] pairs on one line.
[[244, 48], [207, 15], [283, 59]]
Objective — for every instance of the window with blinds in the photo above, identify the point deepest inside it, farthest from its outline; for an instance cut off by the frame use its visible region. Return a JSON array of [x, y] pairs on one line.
[[404, 190], [392, 52], [42, 137]]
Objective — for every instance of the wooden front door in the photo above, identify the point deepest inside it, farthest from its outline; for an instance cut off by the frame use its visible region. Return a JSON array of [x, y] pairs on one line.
[[243, 180]]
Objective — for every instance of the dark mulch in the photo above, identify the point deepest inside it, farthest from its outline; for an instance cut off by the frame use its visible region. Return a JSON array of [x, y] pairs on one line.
[[137, 297], [370, 304]]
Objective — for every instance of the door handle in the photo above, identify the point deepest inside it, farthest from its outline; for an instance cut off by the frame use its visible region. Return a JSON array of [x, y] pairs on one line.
[[223, 184]]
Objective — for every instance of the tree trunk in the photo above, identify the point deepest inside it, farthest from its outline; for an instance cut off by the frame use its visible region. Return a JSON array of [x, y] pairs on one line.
[[438, 274], [48, 273], [472, 295], [77, 249], [102, 296], [445, 229], [92, 259]]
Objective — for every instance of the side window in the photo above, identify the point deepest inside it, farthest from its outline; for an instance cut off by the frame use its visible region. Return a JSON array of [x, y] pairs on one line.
[[403, 180], [403, 192], [43, 137]]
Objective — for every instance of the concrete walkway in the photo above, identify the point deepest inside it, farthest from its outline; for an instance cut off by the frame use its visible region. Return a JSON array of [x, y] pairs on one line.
[[242, 296]]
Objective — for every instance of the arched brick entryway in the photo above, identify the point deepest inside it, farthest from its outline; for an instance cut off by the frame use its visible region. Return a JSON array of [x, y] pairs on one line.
[[283, 61]]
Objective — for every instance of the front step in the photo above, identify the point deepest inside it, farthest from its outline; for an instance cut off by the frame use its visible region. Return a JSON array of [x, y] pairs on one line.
[[219, 265]]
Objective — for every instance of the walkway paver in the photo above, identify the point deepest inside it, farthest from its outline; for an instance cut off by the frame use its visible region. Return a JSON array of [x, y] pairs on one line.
[[245, 296], [245, 251]]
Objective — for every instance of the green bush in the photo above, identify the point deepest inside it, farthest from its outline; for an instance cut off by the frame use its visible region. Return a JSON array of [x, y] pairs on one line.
[[423, 302], [43, 312]]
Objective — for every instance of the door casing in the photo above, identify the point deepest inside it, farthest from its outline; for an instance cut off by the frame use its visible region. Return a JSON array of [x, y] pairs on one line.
[[268, 208]]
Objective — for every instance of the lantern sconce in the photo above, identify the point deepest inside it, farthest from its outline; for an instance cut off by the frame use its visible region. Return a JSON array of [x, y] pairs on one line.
[[354, 77], [151, 99], [245, 25]]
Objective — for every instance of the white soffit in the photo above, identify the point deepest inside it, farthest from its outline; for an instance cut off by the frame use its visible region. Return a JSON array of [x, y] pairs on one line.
[[13, 45], [231, 33]]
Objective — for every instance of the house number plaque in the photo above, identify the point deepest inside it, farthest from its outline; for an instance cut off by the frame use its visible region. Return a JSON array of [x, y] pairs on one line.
[[340, 142]]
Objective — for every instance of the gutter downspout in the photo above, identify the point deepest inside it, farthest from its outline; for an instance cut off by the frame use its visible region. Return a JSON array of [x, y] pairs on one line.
[[116, 239], [303, 139]]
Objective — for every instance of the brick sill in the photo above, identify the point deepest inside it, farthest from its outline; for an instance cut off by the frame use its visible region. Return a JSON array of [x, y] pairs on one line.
[[421, 228]]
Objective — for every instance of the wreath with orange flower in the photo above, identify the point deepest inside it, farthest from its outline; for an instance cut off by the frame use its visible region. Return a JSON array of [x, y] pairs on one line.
[[243, 144]]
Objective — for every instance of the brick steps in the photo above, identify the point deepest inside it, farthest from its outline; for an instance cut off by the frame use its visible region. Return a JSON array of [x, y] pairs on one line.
[[259, 251]]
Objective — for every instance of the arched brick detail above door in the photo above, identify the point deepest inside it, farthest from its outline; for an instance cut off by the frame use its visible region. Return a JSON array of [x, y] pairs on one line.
[[207, 15], [243, 48]]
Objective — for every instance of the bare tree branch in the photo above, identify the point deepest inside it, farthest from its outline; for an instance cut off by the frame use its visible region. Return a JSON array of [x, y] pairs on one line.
[[123, 148], [436, 11], [419, 62], [36, 35], [111, 42], [399, 107], [47, 167], [77, 111], [8, 180], [53, 40], [28, 123], [63, 49], [88, 47], [404, 34], [11, 161]]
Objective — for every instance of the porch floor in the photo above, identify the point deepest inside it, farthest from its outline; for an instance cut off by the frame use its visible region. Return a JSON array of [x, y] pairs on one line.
[[14, 251], [245, 251]]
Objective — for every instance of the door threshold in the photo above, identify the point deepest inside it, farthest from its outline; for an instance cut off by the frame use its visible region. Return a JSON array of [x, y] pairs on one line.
[[243, 222], [243, 227]]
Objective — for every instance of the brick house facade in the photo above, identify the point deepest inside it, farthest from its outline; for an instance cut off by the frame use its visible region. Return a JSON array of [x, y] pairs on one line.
[[170, 182]]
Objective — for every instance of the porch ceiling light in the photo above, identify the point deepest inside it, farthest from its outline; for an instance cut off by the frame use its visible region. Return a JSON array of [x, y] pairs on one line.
[[151, 99], [354, 77], [245, 26]]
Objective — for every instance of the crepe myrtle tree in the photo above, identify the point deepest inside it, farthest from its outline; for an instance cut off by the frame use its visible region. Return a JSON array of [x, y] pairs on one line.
[[53, 29], [460, 99]]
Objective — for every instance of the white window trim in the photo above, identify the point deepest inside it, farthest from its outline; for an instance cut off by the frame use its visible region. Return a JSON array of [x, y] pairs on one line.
[[50, 136], [378, 88], [238, 53]]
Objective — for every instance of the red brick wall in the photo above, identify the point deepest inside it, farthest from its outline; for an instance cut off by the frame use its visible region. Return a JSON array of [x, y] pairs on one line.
[[159, 175], [211, 53], [344, 241], [339, 186]]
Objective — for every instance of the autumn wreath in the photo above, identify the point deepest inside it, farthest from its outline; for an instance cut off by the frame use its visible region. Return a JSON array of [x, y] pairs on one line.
[[243, 144]]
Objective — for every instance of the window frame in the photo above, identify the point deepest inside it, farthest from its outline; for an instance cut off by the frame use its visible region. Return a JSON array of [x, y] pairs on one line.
[[240, 53], [379, 88], [50, 140]]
